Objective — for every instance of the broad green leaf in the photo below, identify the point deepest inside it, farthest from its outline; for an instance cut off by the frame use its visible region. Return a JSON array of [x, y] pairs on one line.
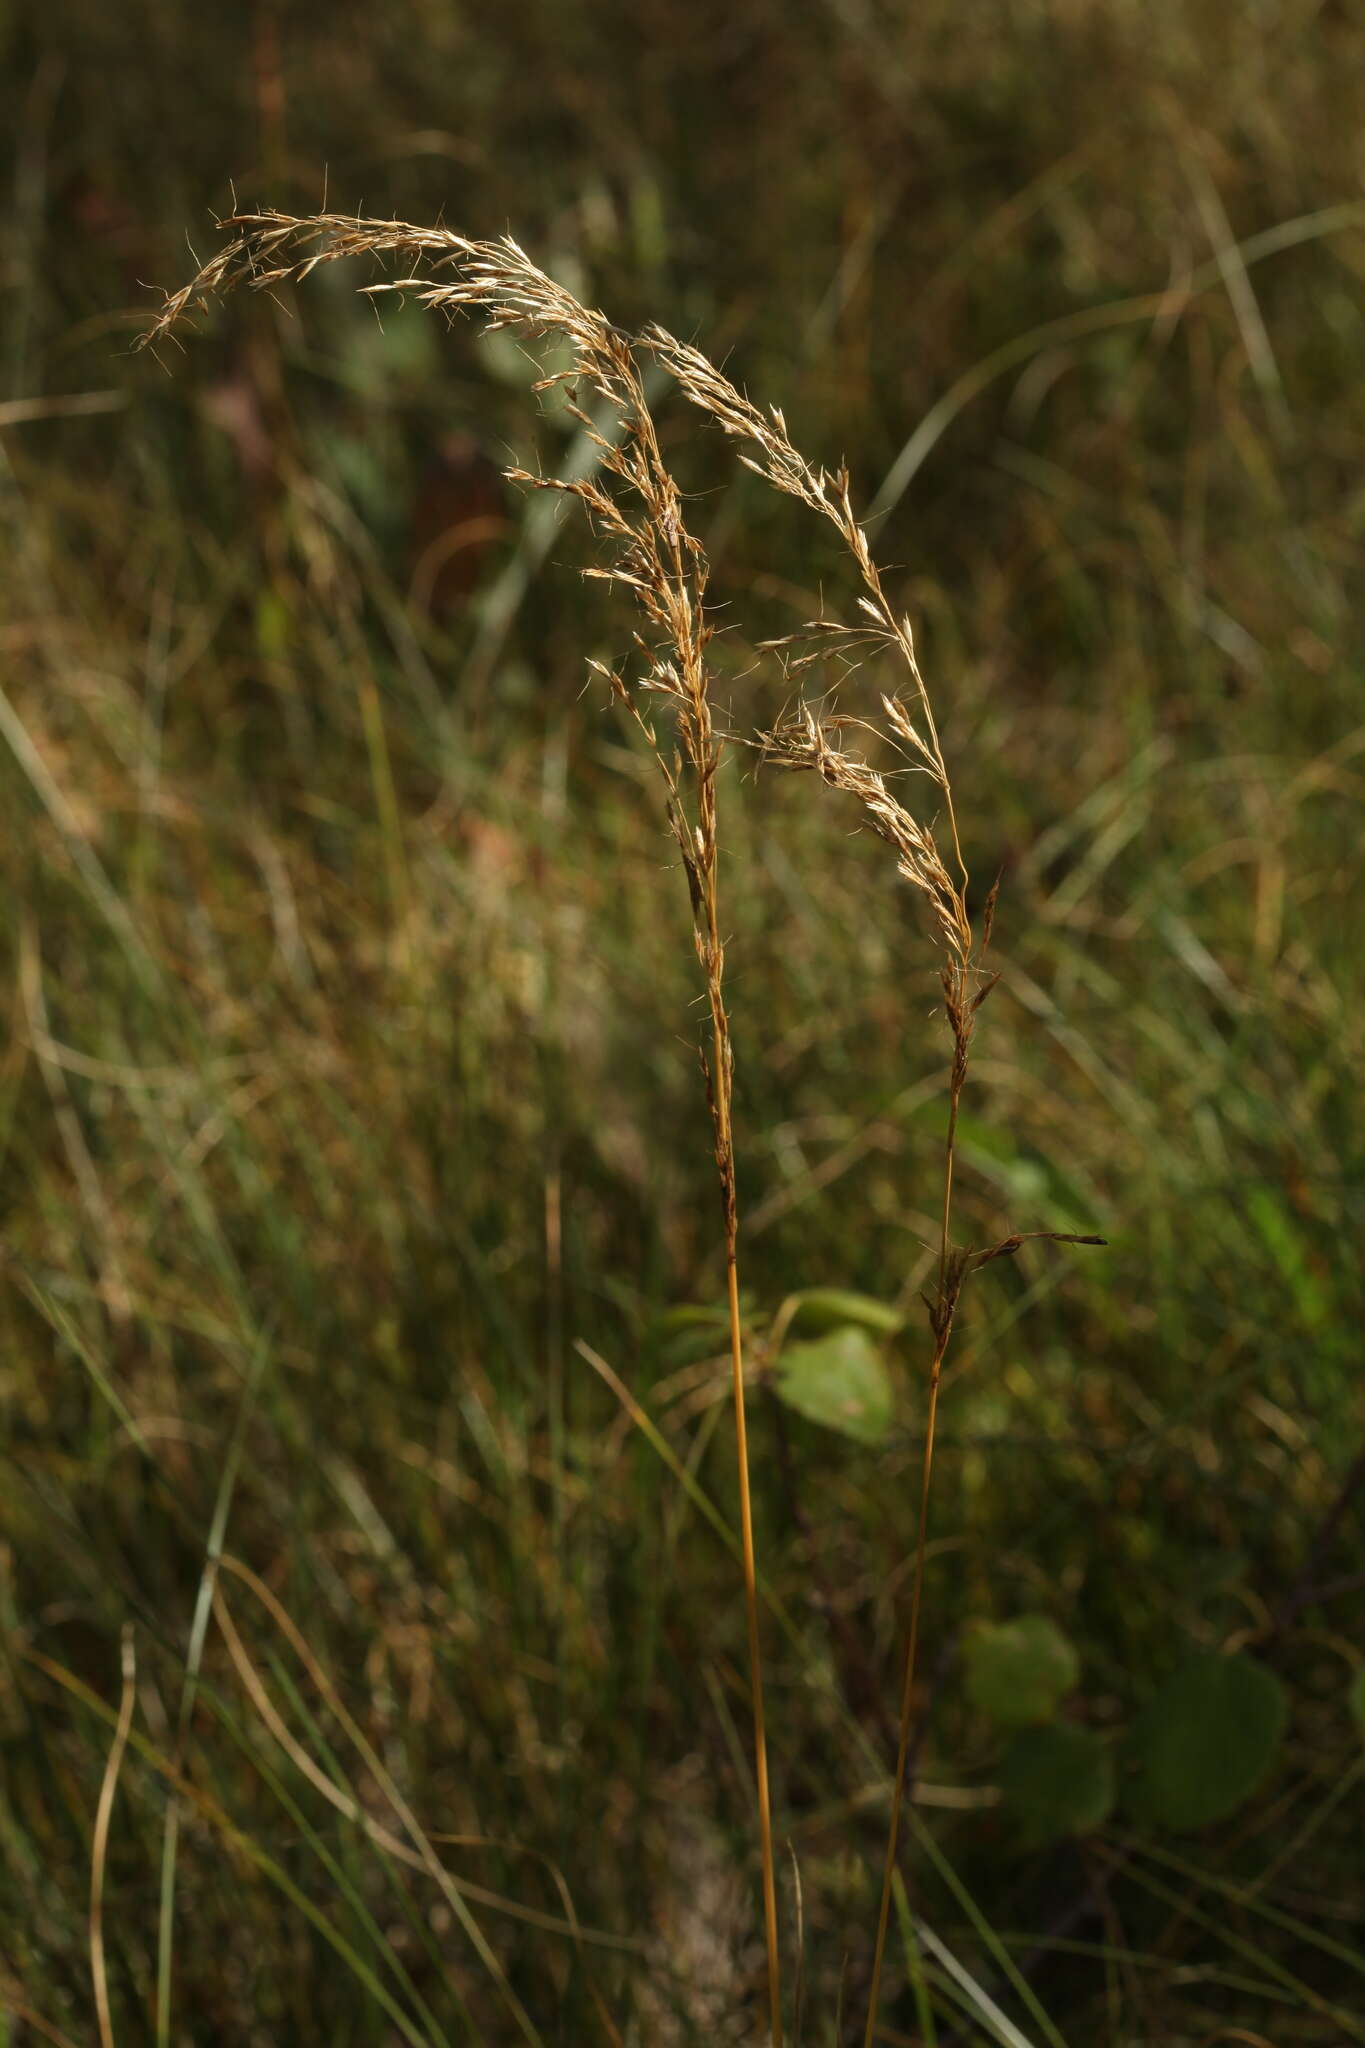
[[841, 1381], [1206, 1740], [1019, 1671], [1057, 1780], [827, 1308], [1356, 1697]]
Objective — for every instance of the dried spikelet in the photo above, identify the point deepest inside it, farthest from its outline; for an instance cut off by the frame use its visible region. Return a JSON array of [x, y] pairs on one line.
[[804, 742], [829, 494]]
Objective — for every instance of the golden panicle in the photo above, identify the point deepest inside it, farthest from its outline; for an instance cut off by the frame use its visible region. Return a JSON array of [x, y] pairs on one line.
[[635, 509]]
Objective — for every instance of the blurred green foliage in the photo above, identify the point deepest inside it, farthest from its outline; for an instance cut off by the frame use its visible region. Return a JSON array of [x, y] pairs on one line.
[[1019, 1671], [350, 1079], [1206, 1739]]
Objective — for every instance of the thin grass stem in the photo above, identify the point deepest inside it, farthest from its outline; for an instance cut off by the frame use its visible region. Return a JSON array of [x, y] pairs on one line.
[[746, 1525], [907, 1706], [99, 1849]]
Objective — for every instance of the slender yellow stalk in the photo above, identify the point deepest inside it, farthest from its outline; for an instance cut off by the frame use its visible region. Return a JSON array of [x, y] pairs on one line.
[[746, 1531], [805, 743], [99, 1849], [907, 1707], [720, 1043], [907, 1710]]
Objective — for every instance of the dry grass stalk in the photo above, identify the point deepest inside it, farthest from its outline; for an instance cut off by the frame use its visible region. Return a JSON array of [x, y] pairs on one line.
[[99, 1848], [633, 503], [808, 741], [804, 743]]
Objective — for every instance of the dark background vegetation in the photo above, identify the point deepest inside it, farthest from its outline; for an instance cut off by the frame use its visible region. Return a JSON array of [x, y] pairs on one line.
[[349, 1076]]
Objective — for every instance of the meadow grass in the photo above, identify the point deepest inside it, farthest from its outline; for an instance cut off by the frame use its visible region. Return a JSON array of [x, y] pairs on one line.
[[350, 1086]]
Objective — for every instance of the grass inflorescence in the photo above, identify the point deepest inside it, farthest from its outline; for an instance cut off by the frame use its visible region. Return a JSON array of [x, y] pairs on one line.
[[635, 506]]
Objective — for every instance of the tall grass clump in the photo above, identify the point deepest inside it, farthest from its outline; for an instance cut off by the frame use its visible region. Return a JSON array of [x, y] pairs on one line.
[[635, 507]]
